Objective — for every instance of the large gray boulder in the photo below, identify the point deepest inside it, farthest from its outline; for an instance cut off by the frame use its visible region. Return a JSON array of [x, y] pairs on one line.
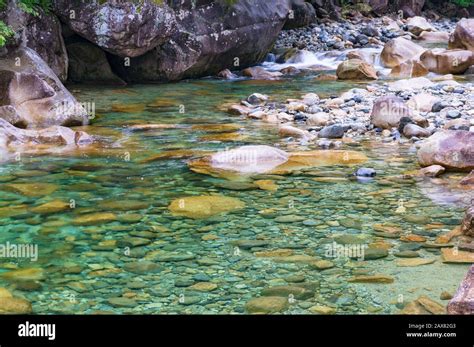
[[32, 96], [124, 28], [302, 14], [207, 38]]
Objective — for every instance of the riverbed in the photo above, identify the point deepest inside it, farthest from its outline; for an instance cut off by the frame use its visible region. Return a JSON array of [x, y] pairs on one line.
[[132, 255]]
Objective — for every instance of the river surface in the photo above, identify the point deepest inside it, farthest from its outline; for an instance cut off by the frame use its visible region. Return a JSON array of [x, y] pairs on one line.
[[91, 267]]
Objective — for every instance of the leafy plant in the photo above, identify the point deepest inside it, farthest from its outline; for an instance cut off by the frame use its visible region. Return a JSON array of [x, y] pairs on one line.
[[34, 6], [464, 3], [5, 33]]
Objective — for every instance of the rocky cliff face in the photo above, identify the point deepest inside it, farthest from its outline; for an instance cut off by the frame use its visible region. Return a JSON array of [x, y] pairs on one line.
[[125, 28], [42, 33], [183, 40]]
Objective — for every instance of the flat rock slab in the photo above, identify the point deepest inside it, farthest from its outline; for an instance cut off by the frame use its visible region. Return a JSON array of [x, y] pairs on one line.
[[410, 262], [463, 300], [450, 255]]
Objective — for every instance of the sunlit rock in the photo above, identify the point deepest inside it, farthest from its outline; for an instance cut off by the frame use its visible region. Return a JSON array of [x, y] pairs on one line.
[[204, 206]]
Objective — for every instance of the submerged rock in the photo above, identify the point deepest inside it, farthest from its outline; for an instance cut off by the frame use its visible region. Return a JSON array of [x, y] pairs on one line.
[[27, 274], [455, 256], [204, 206], [267, 304], [244, 160], [32, 189], [94, 218], [423, 305], [54, 206], [371, 279], [248, 160], [10, 305], [288, 291]]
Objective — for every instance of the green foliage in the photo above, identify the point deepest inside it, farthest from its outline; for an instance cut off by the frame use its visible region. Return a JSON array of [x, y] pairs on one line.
[[34, 6], [5, 33], [464, 3]]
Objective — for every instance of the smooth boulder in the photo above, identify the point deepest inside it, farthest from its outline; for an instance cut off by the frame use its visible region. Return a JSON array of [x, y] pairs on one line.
[[434, 37], [399, 50], [387, 112], [356, 69], [447, 61], [249, 159], [409, 69], [35, 96], [463, 35], [416, 25], [452, 149]]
